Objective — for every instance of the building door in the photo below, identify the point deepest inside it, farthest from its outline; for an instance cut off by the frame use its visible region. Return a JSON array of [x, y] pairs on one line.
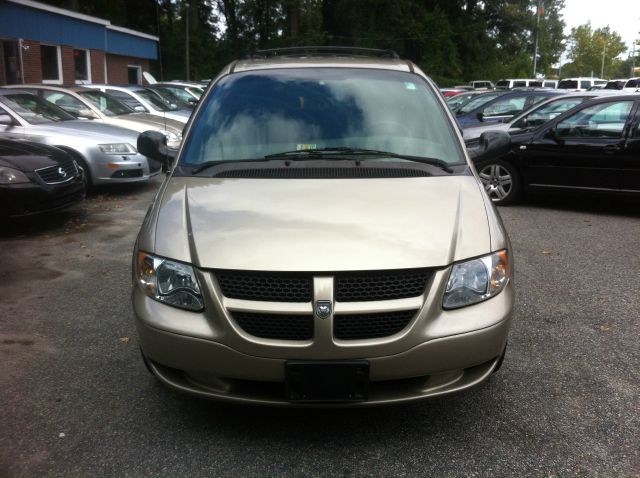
[[134, 74], [11, 62]]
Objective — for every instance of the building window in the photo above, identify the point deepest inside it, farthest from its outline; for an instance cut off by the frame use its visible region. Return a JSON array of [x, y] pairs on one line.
[[82, 66], [50, 64], [134, 74]]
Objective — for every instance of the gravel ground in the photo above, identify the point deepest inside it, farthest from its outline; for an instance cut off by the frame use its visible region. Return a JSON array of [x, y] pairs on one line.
[[77, 400]]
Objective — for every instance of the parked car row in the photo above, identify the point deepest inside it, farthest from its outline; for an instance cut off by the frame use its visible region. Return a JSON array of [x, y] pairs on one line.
[[36, 178], [631, 85], [579, 142], [94, 127]]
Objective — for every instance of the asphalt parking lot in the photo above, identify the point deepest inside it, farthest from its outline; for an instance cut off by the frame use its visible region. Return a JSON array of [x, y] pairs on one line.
[[78, 401]]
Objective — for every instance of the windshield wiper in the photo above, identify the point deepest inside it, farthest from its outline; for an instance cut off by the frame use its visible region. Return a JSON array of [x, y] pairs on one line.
[[211, 164], [346, 151]]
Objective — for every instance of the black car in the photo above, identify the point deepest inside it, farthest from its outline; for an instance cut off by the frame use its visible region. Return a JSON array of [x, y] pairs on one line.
[[593, 147], [502, 107], [36, 178]]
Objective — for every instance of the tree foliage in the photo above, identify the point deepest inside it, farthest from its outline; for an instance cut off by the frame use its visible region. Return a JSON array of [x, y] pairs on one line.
[[452, 40], [588, 49]]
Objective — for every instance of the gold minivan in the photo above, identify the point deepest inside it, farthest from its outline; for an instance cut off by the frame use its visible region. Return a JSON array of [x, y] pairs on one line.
[[321, 238]]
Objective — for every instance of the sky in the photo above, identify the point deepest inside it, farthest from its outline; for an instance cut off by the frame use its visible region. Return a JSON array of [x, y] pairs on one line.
[[622, 16]]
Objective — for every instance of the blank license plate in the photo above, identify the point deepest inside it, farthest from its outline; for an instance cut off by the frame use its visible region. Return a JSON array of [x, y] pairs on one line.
[[321, 381]]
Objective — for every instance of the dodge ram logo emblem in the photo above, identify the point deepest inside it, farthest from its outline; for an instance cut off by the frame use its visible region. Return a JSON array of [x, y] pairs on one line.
[[323, 309], [62, 172]]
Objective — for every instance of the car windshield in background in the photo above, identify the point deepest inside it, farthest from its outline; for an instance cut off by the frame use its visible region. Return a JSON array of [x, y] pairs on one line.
[[255, 114], [614, 85], [154, 99], [458, 100], [34, 109], [477, 102], [177, 91], [171, 97], [105, 103], [568, 85], [194, 90], [547, 112]]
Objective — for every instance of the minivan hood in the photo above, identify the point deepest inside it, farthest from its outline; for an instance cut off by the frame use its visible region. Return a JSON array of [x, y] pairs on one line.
[[322, 224]]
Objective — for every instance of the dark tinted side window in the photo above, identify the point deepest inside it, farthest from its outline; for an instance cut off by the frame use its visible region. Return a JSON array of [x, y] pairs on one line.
[[604, 120], [519, 84], [568, 84]]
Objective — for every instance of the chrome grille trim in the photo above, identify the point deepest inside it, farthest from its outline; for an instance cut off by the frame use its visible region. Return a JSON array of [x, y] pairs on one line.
[[50, 174]]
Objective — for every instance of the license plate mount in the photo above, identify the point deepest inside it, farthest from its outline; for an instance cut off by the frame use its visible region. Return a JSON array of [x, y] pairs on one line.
[[327, 381]]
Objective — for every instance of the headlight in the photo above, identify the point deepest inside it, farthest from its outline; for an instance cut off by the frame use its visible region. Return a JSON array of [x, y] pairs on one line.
[[476, 280], [12, 176], [170, 282], [117, 148], [173, 139]]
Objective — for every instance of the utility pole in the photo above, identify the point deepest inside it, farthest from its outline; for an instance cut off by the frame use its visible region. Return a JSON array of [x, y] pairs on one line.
[[604, 52], [186, 42], [535, 52]]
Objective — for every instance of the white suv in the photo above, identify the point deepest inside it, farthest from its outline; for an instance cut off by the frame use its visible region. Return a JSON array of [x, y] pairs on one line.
[[580, 83]]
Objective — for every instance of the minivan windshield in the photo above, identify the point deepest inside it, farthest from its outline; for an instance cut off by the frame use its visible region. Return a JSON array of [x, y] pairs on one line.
[[250, 115]]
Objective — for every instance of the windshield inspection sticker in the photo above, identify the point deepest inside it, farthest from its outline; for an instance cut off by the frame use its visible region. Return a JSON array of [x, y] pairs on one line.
[[409, 85], [305, 147]]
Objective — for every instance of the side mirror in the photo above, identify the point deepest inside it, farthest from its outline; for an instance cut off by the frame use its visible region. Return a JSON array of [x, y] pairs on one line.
[[553, 134], [480, 116], [6, 120], [492, 145], [153, 144], [87, 114], [140, 109]]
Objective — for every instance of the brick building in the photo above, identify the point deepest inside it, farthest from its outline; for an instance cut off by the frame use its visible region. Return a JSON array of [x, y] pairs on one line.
[[44, 44]]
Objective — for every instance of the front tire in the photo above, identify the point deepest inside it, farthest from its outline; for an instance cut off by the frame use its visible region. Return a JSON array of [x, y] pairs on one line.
[[501, 181]]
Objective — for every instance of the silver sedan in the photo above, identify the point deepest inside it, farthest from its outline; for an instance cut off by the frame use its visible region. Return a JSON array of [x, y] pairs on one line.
[[107, 153]]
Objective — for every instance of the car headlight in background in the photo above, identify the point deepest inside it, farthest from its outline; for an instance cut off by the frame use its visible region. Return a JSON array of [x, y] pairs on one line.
[[173, 139], [476, 280], [12, 176], [170, 282], [117, 148]]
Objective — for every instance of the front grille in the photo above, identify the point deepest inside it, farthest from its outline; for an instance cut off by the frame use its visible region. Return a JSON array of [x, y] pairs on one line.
[[271, 287], [65, 171], [370, 326], [380, 285], [322, 173], [276, 326]]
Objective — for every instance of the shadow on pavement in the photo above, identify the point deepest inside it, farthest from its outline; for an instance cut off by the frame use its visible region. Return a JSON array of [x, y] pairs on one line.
[[591, 204], [81, 213]]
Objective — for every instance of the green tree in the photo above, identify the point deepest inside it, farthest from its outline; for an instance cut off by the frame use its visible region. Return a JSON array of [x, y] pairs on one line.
[[590, 49]]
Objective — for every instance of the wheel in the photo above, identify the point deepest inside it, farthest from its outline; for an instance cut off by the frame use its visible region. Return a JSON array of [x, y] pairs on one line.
[[501, 181]]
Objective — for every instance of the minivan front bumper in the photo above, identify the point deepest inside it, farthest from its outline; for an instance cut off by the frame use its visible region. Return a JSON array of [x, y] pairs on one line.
[[440, 352]]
